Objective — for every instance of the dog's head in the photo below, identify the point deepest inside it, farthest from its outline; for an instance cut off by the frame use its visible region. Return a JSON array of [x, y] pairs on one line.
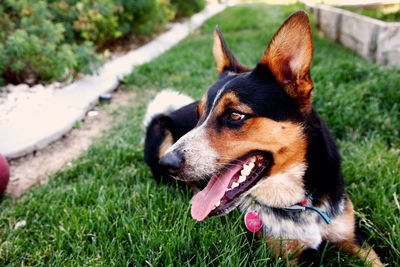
[[249, 141]]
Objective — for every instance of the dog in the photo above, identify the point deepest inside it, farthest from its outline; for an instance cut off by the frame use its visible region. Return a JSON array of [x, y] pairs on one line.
[[255, 142]]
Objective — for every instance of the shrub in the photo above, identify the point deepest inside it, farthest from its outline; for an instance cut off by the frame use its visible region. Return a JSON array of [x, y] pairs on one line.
[[46, 40], [102, 21], [87, 20], [186, 8], [33, 47]]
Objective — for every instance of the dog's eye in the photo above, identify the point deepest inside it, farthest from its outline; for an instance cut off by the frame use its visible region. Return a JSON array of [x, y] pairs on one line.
[[234, 116]]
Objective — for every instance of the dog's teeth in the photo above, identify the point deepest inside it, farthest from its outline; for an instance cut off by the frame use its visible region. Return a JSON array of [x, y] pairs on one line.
[[246, 170], [228, 189], [217, 204], [252, 159], [242, 179], [251, 165], [235, 185]]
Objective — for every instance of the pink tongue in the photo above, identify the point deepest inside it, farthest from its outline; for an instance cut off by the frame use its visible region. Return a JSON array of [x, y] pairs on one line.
[[204, 201]]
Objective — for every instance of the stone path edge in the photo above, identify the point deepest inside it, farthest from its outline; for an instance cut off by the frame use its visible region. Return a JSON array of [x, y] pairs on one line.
[[41, 125]]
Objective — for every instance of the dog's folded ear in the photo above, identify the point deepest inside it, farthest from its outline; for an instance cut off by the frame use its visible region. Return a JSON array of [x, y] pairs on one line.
[[224, 58], [289, 55]]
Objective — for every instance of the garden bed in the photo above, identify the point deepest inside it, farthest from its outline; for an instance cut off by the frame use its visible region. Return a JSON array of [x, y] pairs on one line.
[[371, 38]]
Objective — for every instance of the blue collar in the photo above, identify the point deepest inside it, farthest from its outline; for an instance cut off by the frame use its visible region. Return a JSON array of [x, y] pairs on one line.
[[302, 206]]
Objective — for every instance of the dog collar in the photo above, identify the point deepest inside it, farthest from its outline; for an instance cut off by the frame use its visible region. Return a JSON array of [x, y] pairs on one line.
[[253, 221], [302, 206]]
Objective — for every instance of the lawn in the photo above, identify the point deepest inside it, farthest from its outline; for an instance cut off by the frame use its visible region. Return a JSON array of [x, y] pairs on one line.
[[106, 210], [390, 13]]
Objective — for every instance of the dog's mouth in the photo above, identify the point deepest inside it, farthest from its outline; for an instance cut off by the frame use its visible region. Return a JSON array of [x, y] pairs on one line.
[[225, 190]]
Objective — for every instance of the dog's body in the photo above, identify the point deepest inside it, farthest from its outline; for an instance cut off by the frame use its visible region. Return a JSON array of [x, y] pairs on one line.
[[258, 144]]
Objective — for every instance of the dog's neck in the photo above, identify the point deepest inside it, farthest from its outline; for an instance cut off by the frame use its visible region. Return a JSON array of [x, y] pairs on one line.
[[323, 177]]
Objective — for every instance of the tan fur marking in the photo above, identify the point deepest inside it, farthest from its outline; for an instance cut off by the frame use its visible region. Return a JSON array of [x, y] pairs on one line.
[[167, 143], [230, 100], [342, 234], [342, 227], [364, 253], [221, 58], [224, 57], [261, 134], [201, 106]]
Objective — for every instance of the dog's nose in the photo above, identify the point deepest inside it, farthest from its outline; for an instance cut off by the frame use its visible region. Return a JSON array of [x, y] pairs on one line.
[[172, 162]]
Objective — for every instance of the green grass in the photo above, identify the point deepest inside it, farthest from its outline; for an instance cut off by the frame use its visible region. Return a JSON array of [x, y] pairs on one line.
[[389, 13], [107, 211]]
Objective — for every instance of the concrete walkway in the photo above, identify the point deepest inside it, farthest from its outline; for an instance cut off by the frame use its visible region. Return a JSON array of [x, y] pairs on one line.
[[33, 127]]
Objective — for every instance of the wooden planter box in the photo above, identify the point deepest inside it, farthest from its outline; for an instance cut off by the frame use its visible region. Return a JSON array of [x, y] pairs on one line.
[[371, 38]]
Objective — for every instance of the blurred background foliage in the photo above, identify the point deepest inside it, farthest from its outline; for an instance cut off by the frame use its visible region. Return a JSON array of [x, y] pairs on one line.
[[46, 40]]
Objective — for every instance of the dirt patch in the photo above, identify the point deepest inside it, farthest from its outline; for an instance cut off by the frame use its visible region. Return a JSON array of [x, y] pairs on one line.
[[35, 168]]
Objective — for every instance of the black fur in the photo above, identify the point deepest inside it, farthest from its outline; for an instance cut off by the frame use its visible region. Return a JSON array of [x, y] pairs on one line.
[[177, 123], [323, 178], [157, 131], [183, 120], [309, 257]]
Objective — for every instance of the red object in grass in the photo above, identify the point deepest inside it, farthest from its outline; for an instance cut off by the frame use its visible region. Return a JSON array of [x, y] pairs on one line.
[[4, 174]]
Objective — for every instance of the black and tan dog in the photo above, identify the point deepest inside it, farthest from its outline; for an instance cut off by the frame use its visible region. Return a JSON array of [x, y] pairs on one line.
[[257, 143]]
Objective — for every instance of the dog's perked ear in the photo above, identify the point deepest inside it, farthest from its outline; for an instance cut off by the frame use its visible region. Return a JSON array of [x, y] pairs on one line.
[[224, 58], [289, 55]]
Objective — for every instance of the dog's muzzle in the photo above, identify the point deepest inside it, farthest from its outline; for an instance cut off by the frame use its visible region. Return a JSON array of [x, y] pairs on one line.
[[172, 162]]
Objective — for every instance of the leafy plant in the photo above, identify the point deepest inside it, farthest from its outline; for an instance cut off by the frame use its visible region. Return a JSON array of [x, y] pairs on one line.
[[33, 46], [46, 40], [187, 8]]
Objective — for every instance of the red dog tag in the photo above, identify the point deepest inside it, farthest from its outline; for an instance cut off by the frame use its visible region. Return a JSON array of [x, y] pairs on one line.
[[253, 221]]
